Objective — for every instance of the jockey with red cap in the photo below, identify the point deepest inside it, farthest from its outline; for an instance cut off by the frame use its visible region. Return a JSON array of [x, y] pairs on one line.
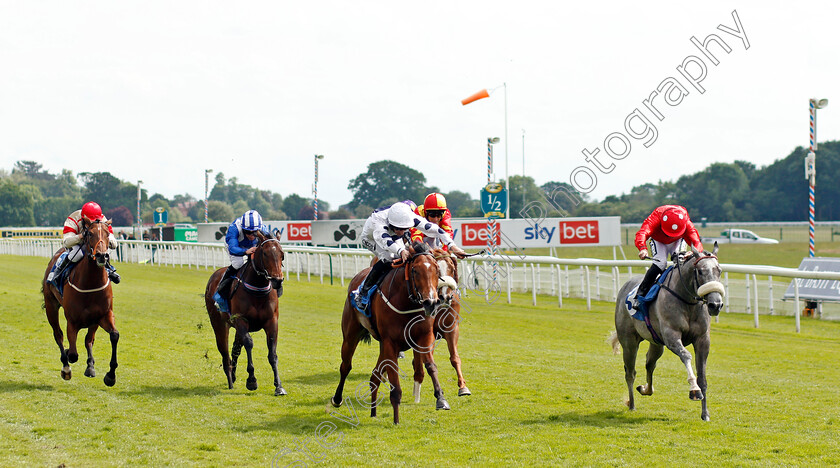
[[74, 228], [434, 209], [666, 228]]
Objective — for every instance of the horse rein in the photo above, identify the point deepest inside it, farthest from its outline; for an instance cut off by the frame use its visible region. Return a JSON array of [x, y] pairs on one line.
[[92, 253], [261, 270], [413, 293], [697, 299]]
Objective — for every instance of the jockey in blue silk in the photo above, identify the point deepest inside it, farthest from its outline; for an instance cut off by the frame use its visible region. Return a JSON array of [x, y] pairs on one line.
[[385, 233], [241, 241]]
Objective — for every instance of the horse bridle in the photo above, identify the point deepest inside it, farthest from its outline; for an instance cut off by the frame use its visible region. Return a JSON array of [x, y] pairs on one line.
[[411, 284], [697, 299], [261, 270], [87, 233]]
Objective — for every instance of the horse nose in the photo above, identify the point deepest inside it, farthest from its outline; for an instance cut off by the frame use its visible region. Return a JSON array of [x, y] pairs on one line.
[[430, 306], [715, 303]]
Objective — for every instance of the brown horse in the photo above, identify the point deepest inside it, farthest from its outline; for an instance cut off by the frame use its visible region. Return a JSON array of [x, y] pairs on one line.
[[402, 317], [446, 321], [253, 307], [87, 301]]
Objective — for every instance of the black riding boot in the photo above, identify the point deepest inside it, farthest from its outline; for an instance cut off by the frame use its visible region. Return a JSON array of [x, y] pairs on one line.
[[112, 273], [377, 272], [222, 292], [224, 284], [650, 277]]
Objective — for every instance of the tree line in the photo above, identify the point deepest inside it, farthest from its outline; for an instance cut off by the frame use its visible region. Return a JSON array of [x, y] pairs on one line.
[[738, 191]]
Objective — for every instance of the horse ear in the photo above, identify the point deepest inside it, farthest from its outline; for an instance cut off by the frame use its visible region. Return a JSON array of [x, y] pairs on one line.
[[714, 252], [260, 235], [108, 222], [695, 251]]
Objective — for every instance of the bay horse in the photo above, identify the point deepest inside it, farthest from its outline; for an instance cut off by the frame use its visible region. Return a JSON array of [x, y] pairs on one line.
[[253, 307], [446, 321], [401, 317], [88, 301], [680, 315]]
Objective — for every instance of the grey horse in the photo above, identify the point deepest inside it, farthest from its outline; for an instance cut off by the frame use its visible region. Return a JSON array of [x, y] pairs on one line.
[[680, 315]]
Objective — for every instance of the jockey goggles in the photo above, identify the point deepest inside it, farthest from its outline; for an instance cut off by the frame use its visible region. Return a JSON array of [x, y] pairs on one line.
[[435, 213]]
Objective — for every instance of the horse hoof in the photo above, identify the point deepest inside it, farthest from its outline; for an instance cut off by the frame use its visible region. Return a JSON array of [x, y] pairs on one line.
[[66, 374], [334, 404], [464, 392], [110, 379], [90, 372], [695, 395], [280, 391], [442, 405], [705, 417], [251, 384], [644, 391], [73, 358]]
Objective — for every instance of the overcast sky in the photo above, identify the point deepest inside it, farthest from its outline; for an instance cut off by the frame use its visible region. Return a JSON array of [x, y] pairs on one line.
[[162, 90]]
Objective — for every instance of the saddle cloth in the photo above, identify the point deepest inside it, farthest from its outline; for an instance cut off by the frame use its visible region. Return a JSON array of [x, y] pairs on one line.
[[58, 281], [644, 302], [355, 292]]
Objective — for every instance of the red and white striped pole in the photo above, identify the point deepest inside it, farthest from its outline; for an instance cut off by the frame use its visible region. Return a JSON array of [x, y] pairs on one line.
[[491, 221], [315, 187], [814, 104], [811, 223], [206, 188]]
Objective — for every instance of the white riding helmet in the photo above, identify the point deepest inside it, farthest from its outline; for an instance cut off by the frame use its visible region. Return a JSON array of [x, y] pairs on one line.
[[400, 216]]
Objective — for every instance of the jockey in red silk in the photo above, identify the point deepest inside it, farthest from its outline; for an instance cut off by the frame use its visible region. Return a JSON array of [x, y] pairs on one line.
[[665, 229], [434, 209], [241, 241], [72, 239]]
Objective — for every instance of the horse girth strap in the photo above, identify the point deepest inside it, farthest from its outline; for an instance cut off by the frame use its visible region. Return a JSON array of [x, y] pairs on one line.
[[388, 303], [107, 282]]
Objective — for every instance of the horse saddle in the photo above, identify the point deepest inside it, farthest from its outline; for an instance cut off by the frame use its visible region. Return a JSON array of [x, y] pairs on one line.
[[366, 310], [59, 279], [647, 299]]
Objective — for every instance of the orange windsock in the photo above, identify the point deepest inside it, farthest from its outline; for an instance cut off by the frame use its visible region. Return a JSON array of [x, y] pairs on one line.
[[475, 97]]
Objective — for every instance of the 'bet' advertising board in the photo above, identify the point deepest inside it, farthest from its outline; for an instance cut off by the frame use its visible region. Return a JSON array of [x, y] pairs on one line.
[[290, 231], [469, 232], [548, 232]]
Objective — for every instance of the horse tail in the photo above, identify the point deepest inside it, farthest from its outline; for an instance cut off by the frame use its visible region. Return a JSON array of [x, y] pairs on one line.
[[612, 340], [364, 335]]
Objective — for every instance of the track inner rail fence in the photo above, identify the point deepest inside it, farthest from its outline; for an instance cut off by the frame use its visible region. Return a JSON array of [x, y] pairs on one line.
[[752, 289]]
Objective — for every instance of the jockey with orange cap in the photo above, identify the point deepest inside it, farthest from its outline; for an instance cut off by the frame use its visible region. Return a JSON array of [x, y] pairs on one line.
[[74, 227], [433, 209], [666, 228]]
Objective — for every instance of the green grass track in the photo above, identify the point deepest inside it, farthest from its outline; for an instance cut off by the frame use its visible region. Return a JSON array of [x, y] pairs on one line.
[[546, 389]]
